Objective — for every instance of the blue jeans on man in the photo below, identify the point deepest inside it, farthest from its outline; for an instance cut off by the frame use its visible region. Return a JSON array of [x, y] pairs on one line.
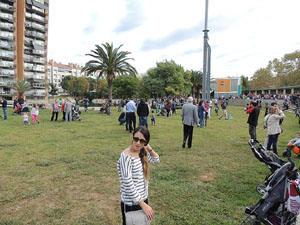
[[5, 113], [143, 121]]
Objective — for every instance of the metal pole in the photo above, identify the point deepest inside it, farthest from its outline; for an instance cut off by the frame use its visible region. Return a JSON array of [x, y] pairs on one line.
[[206, 60], [204, 69], [208, 71]]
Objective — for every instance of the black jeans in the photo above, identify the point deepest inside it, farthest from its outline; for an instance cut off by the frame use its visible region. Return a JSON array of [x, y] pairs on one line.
[[188, 133], [54, 113], [273, 139], [132, 121], [252, 132], [129, 209]]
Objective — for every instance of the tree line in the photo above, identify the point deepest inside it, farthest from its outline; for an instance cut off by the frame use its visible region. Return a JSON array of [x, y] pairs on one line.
[[278, 72], [166, 78]]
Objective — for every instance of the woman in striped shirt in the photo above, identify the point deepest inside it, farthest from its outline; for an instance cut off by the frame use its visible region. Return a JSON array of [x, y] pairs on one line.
[[133, 169]]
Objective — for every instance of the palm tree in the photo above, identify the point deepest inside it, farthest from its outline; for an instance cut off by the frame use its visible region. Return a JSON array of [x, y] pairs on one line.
[[196, 80], [53, 89], [109, 62], [21, 86]]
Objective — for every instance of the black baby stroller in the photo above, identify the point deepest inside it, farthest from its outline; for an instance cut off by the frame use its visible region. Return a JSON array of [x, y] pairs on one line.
[[280, 202], [76, 113], [262, 154]]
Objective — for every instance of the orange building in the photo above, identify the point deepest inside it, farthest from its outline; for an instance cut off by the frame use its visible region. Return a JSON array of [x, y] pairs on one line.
[[23, 46], [226, 87]]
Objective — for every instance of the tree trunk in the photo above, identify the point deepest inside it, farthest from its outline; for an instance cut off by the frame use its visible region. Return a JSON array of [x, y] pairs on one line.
[[198, 93], [109, 83]]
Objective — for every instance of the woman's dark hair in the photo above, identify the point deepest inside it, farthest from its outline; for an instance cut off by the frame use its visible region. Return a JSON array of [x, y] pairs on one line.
[[143, 153], [201, 102]]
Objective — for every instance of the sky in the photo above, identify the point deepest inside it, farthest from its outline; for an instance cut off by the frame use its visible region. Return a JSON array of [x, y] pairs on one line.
[[244, 35]]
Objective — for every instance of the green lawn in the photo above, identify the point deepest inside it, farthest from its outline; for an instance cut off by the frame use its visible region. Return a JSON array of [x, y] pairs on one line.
[[65, 173]]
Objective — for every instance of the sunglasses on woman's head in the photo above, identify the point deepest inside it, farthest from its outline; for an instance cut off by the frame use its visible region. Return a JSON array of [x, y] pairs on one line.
[[142, 141]]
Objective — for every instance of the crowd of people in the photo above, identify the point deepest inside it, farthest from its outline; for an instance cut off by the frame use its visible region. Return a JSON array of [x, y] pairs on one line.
[[133, 164]]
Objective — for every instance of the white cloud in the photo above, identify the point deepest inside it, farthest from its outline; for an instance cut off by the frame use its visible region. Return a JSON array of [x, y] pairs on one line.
[[244, 35]]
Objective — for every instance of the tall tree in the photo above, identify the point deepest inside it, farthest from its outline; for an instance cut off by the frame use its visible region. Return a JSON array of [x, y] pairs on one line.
[[245, 85], [126, 86], [279, 72], [109, 61], [53, 89], [167, 78], [262, 78]]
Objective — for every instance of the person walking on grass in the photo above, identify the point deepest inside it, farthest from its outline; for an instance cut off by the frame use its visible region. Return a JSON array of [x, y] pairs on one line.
[[273, 127], [68, 111], [86, 104], [55, 109], [25, 119], [133, 170], [34, 114], [253, 112], [189, 120], [217, 110], [63, 110], [130, 109], [224, 110], [206, 113], [143, 113], [201, 113], [153, 122], [4, 108]]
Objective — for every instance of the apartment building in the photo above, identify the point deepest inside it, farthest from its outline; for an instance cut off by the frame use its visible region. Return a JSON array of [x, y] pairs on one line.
[[23, 46], [57, 72]]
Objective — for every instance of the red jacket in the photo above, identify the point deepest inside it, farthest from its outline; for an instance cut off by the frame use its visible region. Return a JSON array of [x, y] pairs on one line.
[[250, 109]]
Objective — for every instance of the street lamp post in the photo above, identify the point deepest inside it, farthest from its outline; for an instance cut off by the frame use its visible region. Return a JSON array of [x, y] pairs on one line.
[[206, 60]]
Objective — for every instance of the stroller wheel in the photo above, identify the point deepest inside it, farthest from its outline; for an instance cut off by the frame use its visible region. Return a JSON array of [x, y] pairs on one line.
[[251, 220], [286, 153], [261, 189]]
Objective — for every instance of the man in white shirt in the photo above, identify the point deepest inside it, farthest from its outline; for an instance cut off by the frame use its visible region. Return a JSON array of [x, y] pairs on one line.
[[130, 108]]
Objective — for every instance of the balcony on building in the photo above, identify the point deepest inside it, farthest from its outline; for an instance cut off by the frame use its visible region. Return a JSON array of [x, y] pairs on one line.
[[6, 26], [4, 54], [6, 35], [6, 64], [6, 84], [6, 73], [7, 7], [7, 16], [6, 93], [6, 45]]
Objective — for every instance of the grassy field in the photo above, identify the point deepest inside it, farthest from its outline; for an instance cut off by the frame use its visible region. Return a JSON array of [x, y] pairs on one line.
[[65, 173]]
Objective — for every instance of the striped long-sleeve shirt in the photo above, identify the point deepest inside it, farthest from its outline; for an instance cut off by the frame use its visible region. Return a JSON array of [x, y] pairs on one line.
[[134, 187]]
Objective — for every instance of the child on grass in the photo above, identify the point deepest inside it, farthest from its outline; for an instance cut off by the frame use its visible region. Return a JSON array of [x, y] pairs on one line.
[[217, 110], [34, 114], [25, 118], [153, 118]]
